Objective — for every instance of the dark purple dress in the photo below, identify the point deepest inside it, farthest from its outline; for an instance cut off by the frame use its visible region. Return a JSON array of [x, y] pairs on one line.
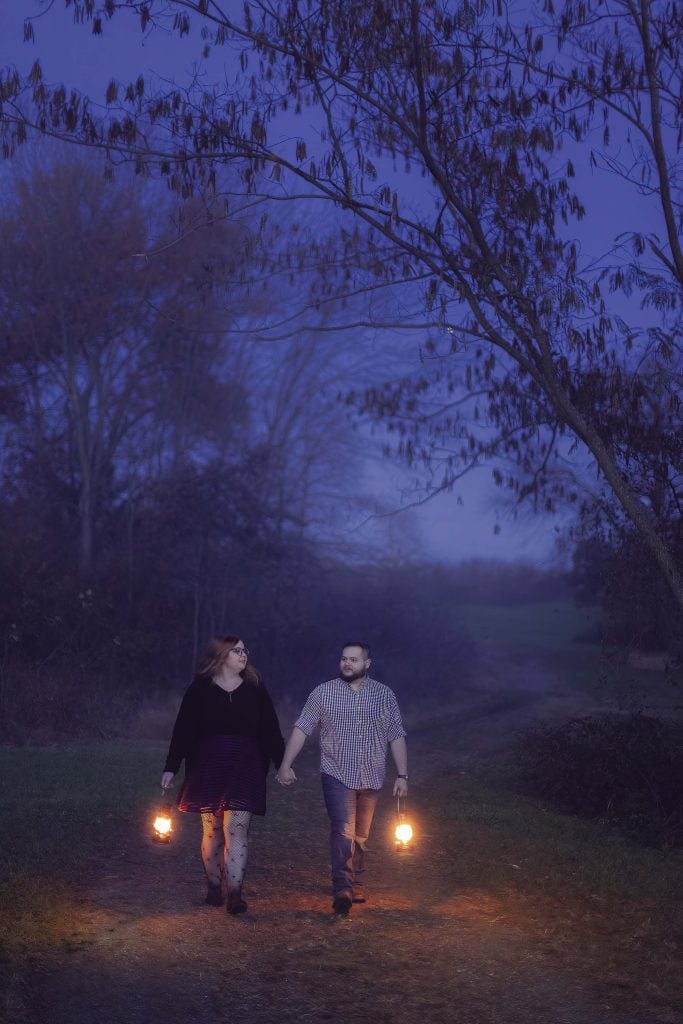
[[227, 741]]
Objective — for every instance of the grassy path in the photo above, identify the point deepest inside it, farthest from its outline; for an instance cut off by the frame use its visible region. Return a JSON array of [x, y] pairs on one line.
[[505, 913]]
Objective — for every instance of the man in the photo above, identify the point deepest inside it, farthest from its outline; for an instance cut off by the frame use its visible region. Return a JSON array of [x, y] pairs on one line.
[[358, 718]]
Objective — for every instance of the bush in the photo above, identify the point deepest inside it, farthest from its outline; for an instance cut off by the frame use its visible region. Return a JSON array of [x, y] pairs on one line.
[[43, 703], [625, 769]]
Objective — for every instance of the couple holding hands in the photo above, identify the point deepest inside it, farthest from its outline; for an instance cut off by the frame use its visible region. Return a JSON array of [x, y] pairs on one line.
[[227, 732]]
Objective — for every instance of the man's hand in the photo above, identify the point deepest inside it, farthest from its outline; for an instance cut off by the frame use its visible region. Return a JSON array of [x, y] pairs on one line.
[[166, 780], [285, 776], [401, 787]]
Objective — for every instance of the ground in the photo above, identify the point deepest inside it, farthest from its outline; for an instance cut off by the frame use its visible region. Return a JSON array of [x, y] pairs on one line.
[[435, 943]]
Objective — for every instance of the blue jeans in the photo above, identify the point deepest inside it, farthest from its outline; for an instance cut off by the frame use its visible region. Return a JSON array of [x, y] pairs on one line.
[[350, 812]]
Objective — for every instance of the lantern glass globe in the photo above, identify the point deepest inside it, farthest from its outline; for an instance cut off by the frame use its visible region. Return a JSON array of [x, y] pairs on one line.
[[162, 825], [404, 832]]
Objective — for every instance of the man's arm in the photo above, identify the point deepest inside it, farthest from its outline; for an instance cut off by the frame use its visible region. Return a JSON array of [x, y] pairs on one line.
[[399, 752], [285, 775]]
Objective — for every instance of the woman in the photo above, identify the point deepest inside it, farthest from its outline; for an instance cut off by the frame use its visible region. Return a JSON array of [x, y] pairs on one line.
[[227, 731]]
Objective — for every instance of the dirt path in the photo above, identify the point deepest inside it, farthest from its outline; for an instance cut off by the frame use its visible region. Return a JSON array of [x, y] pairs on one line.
[[140, 947]]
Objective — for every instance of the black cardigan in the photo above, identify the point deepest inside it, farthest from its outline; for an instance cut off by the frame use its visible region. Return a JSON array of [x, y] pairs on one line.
[[207, 710]]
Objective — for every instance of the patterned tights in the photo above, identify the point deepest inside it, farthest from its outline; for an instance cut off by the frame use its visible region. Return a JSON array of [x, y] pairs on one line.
[[225, 845]]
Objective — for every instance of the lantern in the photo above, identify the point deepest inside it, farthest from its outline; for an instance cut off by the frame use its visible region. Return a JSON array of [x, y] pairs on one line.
[[403, 833], [163, 823]]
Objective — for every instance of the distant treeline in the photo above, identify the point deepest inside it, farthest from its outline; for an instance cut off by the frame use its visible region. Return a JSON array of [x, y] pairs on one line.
[[86, 660]]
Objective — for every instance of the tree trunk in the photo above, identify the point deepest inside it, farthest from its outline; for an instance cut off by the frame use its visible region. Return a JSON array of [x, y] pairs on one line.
[[87, 532], [639, 515]]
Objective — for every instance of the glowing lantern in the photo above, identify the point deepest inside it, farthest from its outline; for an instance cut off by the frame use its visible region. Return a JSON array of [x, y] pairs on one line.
[[163, 823], [403, 833]]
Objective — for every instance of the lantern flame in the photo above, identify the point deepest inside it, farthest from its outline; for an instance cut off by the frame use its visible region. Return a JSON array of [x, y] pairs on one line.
[[403, 833], [162, 825]]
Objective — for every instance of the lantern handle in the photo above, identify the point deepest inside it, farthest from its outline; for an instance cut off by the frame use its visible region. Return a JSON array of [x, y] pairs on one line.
[[398, 804]]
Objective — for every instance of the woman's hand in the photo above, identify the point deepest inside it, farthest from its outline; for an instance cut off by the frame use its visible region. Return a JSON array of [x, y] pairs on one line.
[[166, 780], [285, 776]]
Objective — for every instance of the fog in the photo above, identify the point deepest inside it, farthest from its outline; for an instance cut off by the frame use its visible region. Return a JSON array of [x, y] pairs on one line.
[[473, 520], [188, 445]]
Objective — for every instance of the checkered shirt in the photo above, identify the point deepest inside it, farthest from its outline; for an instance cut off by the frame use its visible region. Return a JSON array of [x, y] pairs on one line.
[[355, 728]]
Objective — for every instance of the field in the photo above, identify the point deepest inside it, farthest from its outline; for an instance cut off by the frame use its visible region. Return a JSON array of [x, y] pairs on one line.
[[562, 639], [505, 912]]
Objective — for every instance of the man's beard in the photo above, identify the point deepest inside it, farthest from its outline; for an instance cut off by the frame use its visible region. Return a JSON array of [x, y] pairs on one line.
[[351, 677]]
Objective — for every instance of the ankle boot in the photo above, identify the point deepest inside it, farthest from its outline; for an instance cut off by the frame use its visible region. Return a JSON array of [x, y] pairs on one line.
[[236, 904], [214, 895]]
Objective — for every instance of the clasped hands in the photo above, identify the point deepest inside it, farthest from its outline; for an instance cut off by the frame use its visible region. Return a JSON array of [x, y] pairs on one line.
[[286, 776]]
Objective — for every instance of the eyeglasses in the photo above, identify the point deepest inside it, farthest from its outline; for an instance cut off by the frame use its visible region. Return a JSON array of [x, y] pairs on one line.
[[239, 650]]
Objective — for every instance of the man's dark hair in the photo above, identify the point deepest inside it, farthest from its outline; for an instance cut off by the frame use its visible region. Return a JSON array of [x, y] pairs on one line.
[[358, 643]]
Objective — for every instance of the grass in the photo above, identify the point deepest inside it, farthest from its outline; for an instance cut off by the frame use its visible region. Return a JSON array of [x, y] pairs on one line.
[[478, 801], [544, 629], [493, 872], [65, 808], [552, 633], [542, 851], [62, 808], [488, 860]]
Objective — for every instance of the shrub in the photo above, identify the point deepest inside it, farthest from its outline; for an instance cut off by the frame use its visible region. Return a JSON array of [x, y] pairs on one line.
[[625, 769]]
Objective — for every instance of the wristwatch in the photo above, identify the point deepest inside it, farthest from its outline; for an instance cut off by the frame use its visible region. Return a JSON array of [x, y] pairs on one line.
[[402, 777]]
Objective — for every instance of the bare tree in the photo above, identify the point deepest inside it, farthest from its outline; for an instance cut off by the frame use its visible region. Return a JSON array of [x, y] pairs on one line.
[[451, 95], [76, 324], [104, 340]]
